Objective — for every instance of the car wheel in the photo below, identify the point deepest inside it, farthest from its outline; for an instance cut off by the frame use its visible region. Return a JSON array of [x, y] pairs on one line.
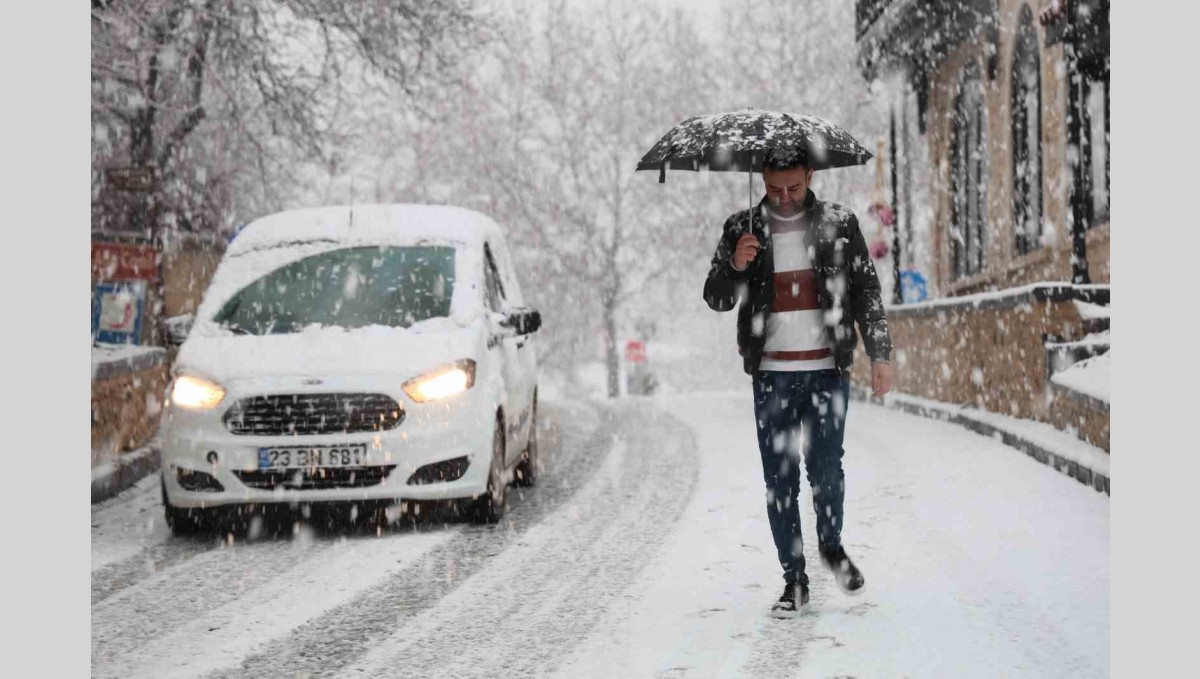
[[489, 507], [185, 520], [527, 469]]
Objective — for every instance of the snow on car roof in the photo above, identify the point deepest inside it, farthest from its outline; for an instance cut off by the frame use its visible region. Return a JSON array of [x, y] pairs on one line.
[[394, 224], [285, 237]]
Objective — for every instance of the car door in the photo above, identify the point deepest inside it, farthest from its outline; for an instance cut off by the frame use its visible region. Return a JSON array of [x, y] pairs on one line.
[[526, 344], [507, 352]]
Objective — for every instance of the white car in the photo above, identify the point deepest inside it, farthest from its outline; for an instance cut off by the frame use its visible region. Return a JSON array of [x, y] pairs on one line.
[[374, 353]]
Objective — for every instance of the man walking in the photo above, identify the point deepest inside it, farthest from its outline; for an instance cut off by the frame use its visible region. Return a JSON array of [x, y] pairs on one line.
[[801, 270]]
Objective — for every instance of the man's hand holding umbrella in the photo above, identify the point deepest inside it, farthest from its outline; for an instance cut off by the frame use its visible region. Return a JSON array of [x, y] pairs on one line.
[[746, 251]]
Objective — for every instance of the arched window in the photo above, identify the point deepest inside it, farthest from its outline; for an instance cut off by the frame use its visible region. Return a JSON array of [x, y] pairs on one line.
[[1027, 135], [969, 177]]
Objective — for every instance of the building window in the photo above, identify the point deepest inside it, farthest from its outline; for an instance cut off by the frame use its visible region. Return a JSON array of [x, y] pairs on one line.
[[969, 177], [1027, 136], [1095, 147]]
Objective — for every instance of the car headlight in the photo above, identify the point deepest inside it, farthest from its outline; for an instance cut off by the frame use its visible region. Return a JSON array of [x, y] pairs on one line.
[[443, 382], [196, 393]]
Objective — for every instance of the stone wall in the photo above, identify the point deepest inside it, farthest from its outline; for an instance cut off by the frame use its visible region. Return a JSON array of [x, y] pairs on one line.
[[127, 399], [1087, 417], [987, 352]]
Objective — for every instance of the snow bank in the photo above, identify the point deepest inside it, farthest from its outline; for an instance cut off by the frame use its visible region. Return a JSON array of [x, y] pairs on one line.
[[1089, 311], [1043, 435], [1088, 377], [984, 298], [114, 359]]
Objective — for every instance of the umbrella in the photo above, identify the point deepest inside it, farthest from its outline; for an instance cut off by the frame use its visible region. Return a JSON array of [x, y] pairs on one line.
[[739, 140]]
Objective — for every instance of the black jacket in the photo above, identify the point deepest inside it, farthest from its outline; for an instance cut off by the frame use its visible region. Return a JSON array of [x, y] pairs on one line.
[[847, 284]]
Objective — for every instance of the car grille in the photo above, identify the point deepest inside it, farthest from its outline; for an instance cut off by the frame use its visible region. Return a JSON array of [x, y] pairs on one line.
[[312, 479], [301, 414]]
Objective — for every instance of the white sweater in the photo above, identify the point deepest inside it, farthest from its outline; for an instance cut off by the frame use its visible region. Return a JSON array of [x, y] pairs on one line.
[[795, 333]]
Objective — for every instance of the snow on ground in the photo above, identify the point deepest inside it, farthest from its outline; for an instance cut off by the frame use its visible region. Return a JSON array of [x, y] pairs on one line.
[[644, 552], [127, 524], [979, 562], [1049, 437], [296, 591], [1088, 377]]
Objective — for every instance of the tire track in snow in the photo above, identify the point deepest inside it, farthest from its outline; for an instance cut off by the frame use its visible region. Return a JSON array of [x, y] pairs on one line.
[[545, 594], [221, 637], [536, 582], [574, 438], [165, 587], [127, 525], [153, 559]]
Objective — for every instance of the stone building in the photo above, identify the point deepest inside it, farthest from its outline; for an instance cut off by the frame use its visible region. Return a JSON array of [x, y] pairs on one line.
[[998, 148]]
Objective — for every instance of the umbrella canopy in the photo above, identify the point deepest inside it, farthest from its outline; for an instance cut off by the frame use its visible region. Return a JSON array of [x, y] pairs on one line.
[[738, 141]]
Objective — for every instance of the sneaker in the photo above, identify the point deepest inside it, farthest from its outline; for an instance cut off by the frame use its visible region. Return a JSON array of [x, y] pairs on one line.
[[794, 596], [848, 577]]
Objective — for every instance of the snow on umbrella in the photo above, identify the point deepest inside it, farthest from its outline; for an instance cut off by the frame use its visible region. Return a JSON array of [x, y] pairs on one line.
[[739, 140]]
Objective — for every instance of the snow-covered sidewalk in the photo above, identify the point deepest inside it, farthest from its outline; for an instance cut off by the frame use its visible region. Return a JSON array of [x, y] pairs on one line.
[[979, 562]]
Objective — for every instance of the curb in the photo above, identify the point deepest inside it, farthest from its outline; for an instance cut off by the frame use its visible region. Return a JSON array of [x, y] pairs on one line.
[[110, 479], [1079, 472]]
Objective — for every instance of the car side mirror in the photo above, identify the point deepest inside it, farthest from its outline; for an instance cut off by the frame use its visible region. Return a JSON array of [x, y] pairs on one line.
[[178, 328], [523, 321]]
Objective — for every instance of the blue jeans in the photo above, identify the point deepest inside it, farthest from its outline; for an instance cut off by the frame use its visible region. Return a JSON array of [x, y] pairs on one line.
[[802, 416]]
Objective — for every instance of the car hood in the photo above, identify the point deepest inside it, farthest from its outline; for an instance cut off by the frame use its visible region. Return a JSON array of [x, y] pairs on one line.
[[333, 355]]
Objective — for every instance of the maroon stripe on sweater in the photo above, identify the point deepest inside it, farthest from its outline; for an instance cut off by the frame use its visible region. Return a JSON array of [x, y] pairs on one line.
[[813, 355], [795, 291]]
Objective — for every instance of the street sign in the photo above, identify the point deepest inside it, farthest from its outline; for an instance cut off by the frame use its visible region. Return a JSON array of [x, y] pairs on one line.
[[123, 261], [635, 352], [134, 179], [117, 312]]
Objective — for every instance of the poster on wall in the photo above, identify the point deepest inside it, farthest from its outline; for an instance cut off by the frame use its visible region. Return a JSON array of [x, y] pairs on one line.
[[913, 286], [117, 311]]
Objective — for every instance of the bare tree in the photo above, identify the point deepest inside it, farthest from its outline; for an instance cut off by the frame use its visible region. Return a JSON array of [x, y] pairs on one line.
[[266, 81], [594, 90]]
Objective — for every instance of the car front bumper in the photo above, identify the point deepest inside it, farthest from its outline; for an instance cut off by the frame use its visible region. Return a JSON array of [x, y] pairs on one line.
[[457, 427]]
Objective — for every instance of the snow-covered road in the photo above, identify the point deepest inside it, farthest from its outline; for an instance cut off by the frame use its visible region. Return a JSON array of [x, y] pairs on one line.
[[644, 552]]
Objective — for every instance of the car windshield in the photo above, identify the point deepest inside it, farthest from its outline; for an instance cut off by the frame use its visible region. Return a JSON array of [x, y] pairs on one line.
[[350, 288]]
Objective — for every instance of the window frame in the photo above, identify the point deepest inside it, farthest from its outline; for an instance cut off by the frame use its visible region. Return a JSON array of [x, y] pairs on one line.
[[1027, 100], [969, 166], [494, 286]]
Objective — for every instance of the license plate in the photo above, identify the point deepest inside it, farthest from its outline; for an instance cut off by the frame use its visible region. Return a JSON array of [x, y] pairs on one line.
[[302, 457]]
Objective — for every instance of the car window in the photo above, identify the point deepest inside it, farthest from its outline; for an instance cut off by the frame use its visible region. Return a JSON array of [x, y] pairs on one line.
[[351, 288], [495, 289], [508, 278]]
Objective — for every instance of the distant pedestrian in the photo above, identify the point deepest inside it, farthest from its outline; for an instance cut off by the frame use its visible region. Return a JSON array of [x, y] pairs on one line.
[[804, 278]]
